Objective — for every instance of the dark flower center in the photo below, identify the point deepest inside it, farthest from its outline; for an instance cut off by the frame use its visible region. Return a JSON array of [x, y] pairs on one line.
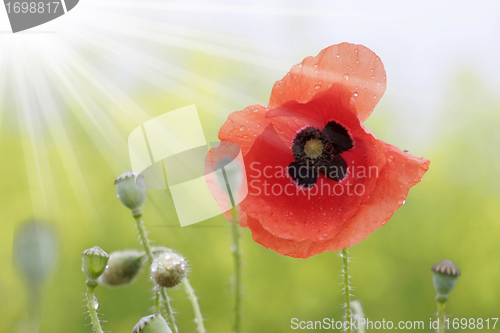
[[318, 151]]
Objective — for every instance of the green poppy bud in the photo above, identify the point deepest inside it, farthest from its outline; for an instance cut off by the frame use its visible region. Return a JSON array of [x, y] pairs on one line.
[[123, 267], [131, 190], [94, 262], [444, 276], [152, 324], [168, 269]]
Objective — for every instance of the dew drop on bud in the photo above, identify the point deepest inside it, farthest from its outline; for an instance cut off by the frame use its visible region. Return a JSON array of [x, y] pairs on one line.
[[338, 55], [242, 128], [390, 159], [346, 77], [355, 94]]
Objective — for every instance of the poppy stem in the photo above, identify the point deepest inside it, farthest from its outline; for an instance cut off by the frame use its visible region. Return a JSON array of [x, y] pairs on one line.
[[347, 288], [92, 305], [235, 249], [157, 299], [196, 307], [440, 315], [168, 308], [143, 234]]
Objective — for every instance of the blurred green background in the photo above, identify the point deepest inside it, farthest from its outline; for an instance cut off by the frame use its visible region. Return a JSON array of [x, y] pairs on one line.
[[69, 101]]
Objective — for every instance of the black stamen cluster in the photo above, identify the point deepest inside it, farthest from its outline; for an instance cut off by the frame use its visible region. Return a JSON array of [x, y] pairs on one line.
[[335, 139]]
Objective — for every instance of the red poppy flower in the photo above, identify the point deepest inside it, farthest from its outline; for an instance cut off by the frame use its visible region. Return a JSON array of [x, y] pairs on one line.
[[318, 179]]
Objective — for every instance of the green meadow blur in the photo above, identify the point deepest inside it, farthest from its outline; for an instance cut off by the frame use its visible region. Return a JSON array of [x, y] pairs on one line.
[[452, 214]]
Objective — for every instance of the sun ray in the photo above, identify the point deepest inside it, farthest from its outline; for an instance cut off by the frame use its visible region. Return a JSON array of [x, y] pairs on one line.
[[158, 34], [57, 130]]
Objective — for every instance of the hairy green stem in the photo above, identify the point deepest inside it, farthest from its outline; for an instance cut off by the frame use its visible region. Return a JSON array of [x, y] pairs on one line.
[[440, 315], [92, 306], [157, 299], [196, 307], [147, 247], [347, 288], [168, 308], [235, 248], [144, 237]]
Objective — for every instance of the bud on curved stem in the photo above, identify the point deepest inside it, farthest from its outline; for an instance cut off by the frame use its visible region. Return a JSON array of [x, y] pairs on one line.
[[35, 252], [94, 263], [131, 190], [444, 277]]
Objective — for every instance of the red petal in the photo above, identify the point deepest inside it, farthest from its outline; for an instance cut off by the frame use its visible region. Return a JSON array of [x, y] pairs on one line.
[[332, 104], [242, 127], [356, 67], [400, 173]]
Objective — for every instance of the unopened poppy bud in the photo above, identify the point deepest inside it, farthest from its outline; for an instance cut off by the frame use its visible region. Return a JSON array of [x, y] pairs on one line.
[[152, 324], [123, 267], [94, 262], [444, 276], [131, 190], [35, 251], [168, 269]]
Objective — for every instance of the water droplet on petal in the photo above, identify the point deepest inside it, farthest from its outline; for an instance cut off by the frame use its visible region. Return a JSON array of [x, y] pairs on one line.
[[355, 94], [317, 87], [390, 159], [338, 55], [242, 128], [346, 77], [374, 96]]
